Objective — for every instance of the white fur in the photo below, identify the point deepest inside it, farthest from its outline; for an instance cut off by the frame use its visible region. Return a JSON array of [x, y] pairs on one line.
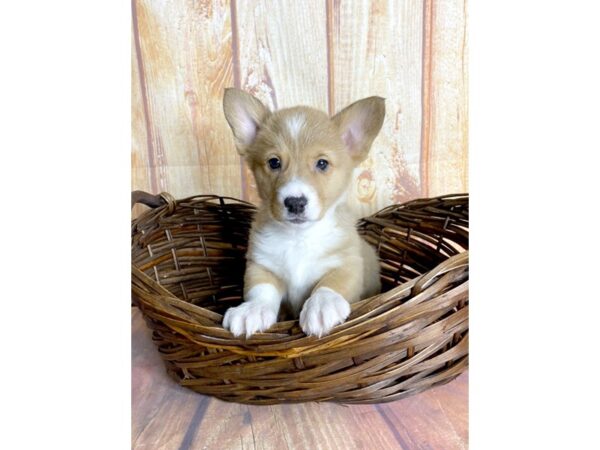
[[299, 254], [295, 124], [298, 188], [256, 314], [322, 311]]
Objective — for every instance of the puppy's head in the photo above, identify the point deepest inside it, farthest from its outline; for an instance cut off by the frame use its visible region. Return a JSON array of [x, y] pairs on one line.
[[301, 158]]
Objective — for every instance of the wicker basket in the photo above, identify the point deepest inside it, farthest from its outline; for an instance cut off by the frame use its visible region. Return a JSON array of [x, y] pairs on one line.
[[187, 269]]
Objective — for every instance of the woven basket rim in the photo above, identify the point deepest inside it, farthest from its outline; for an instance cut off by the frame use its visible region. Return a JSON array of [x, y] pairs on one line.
[[255, 345], [187, 268]]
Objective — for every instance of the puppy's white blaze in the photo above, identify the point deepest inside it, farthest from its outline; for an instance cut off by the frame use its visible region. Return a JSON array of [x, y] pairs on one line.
[[295, 124], [298, 188]]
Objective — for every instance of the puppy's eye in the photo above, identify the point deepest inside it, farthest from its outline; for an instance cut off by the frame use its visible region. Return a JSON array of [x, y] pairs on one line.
[[274, 163], [322, 164]]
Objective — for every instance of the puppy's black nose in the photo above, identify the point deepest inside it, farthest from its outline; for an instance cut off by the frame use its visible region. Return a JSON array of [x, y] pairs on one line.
[[295, 205]]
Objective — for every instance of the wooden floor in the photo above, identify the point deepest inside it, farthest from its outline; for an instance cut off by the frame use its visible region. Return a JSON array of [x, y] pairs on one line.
[[167, 416]]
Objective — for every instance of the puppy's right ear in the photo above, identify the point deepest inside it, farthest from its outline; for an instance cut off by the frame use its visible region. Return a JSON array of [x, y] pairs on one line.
[[359, 124], [244, 113]]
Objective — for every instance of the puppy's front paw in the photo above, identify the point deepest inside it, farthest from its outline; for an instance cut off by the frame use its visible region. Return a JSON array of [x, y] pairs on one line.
[[250, 317], [322, 311]]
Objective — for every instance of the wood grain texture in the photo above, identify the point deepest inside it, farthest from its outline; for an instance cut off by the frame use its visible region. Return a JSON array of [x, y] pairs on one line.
[[445, 140], [184, 58], [324, 54], [141, 173], [282, 54], [167, 416], [376, 49]]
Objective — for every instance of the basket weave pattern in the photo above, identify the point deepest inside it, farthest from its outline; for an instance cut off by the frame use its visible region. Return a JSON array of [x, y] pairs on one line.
[[188, 260]]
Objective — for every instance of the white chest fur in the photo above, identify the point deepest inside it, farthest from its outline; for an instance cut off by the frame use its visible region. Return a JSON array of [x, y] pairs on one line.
[[299, 256]]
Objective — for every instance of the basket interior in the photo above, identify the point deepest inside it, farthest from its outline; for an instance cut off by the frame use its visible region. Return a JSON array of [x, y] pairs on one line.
[[198, 251]]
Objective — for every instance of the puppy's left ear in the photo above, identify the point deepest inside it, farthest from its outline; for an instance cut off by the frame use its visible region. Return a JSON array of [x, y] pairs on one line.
[[359, 124], [244, 113]]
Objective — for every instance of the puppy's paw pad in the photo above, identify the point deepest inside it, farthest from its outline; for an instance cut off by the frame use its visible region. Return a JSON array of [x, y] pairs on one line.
[[322, 311], [249, 318]]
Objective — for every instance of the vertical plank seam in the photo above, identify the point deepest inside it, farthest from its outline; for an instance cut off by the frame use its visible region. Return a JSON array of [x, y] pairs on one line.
[[329, 11], [143, 88], [190, 433], [237, 82], [426, 97], [465, 99], [393, 427], [235, 51]]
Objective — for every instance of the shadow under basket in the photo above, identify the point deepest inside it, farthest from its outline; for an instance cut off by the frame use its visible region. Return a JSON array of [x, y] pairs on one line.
[[188, 259]]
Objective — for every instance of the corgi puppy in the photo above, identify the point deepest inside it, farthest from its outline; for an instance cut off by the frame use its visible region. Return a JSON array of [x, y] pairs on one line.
[[304, 250]]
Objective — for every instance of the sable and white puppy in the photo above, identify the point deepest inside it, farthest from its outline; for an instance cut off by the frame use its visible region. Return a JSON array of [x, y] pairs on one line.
[[304, 248]]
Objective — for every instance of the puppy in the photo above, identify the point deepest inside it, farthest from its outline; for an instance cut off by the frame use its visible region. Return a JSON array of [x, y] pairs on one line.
[[304, 248]]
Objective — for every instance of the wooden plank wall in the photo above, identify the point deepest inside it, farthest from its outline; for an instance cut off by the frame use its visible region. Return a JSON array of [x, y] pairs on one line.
[[321, 53]]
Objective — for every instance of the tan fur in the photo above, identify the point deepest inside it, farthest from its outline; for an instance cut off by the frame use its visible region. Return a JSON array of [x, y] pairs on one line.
[[344, 141], [256, 274]]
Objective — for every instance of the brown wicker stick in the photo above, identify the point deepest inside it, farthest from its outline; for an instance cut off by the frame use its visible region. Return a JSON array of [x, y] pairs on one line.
[[187, 269]]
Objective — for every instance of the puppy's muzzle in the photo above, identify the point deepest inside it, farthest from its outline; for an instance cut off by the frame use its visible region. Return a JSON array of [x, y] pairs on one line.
[[295, 205]]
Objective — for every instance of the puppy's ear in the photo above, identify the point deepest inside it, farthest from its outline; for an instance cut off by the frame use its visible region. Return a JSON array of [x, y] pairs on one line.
[[244, 113], [359, 124]]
